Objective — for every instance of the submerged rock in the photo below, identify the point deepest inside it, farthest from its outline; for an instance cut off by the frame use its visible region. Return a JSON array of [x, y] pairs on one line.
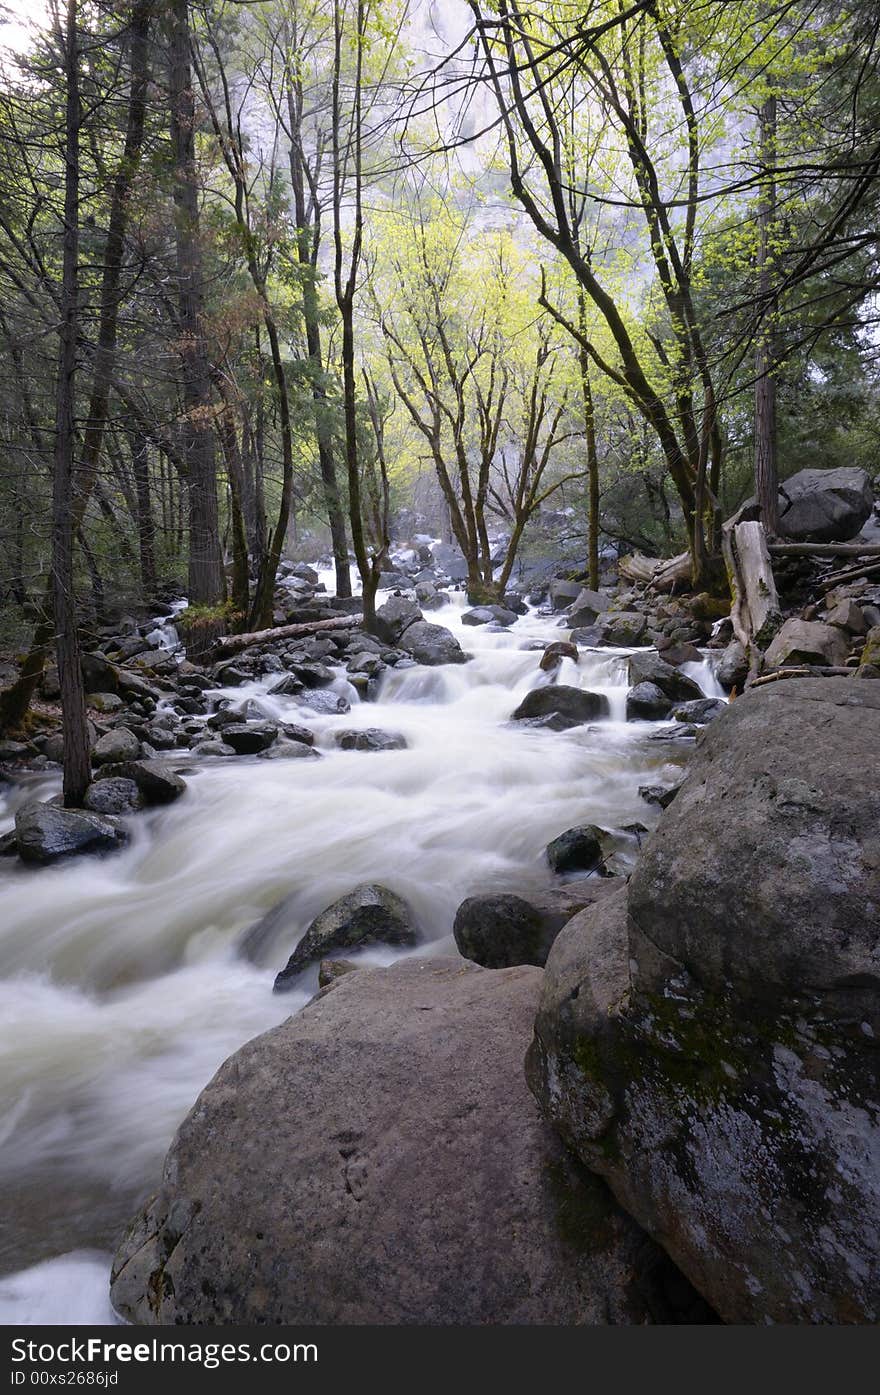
[[431, 644], [366, 915], [47, 832], [577, 850], [370, 739], [650, 668], [647, 702], [377, 1159]]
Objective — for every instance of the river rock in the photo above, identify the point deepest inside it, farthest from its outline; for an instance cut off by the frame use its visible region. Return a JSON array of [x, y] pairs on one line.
[[733, 667], [577, 850], [554, 654], [370, 739], [324, 701], [431, 644], [700, 711], [394, 617], [108, 703], [707, 1040], [366, 915], [47, 832], [377, 1159], [650, 668], [647, 702], [249, 738], [564, 593], [587, 607], [113, 797], [563, 707], [155, 779], [312, 675], [825, 505], [287, 687], [808, 642], [848, 616], [499, 930], [625, 629]]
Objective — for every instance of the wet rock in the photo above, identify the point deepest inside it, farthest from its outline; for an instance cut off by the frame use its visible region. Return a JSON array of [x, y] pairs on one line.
[[499, 930], [14, 750], [564, 593], [283, 749], [825, 505], [313, 675], [661, 795], [708, 1040], [577, 850], [377, 1159], [46, 833], [431, 644], [249, 738], [677, 653], [394, 617], [678, 731], [700, 711], [554, 654], [324, 701], [650, 668], [566, 707], [733, 667], [488, 615], [212, 746], [156, 780], [625, 629], [115, 796], [647, 703], [331, 970], [366, 915], [808, 642], [287, 687], [587, 607], [370, 739]]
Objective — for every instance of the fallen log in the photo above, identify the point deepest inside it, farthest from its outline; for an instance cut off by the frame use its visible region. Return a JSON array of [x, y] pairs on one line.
[[851, 574], [755, 613], [233, 644], [658, 573], [778, 549]]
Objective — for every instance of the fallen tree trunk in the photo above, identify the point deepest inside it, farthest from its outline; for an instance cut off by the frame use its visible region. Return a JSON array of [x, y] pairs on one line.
[[755, 613], [851, 574], [233, 644], [825, 549], [804, 671], [661, 574]]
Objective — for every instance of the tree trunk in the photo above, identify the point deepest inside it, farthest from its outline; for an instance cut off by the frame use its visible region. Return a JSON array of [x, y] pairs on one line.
[[766, 472], [592, 453], [77, 759], [140, 459], [206, 581], [755, 613]]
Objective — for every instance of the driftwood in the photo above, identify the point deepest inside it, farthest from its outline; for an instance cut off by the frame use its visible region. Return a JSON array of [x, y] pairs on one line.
[[851, 574], [233, 644], [804, 671], [660, 574], [779, 549]]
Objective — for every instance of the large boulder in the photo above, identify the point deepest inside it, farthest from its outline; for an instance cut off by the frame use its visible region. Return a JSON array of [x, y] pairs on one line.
[[117, 745], [650, 668], [46, 833], [825, 505], [587, 607], [808, 642], [113, 797], [366, 915], [707, 1040], [489, 615], [560, 707], [396, 616], [647, 702], [431, 644], [377, 1159], [499, 931], [155, 779]]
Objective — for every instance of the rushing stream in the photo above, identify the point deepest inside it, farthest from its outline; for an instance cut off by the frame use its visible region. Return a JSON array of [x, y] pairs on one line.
[[121, 989]]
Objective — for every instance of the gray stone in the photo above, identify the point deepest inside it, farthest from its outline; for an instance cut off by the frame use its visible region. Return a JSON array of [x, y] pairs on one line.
[[366, 915], [625, 629], [733, 667], [577, 850], [46, 832], [650, 668], [113, 797], [155, 779], [394, 617], [499, 930], [431, 644], [700, 711], [564, 707], [249, 738], [825, 505], [378, 1160], [564, 593], [104, 702], [370, 739], [647, 702], [324, 701], [808, 642], [587, 607]]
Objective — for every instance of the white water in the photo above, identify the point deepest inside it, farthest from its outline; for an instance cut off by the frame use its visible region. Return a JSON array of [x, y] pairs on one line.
[[121, 990]]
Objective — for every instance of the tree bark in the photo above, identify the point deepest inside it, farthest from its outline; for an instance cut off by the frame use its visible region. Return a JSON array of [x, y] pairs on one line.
[[140, 459], [206, 581], [77, 758], [766, 468]]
